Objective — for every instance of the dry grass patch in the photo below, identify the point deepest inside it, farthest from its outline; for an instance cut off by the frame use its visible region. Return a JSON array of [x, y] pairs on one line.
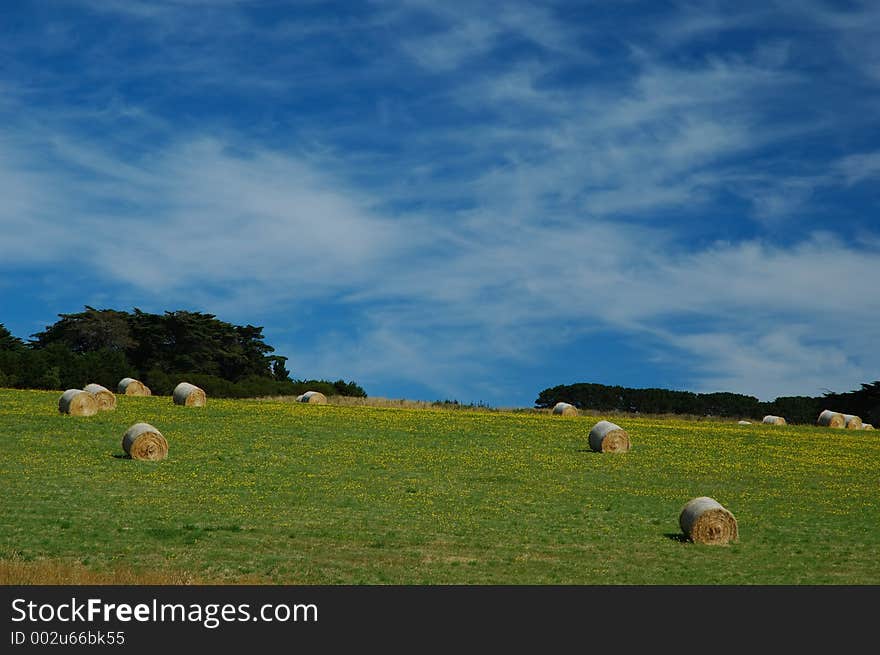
[[60, 572]]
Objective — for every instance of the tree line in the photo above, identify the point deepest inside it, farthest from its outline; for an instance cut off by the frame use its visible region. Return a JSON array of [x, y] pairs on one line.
[[106, 345], [864, 402]]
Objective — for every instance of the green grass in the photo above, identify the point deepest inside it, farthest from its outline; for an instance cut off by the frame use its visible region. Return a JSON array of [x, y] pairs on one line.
[[289, 493]]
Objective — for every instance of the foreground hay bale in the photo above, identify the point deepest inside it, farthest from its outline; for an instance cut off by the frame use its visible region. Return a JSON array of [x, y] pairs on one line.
[[313, 397], [831, 419], [132, 387], [774, 420], [852, 422], [77, 402], [105, 398], [704, 520], [608, 437], [565, 409], [189, 395], [143, 441], [743, 422]]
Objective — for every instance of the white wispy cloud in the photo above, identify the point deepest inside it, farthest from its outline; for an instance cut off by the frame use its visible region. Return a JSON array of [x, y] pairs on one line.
[[859, 167], [550, 210], [266, 229]]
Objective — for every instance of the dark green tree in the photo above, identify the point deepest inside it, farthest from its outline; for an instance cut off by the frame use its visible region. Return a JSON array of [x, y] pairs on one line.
[[92, 329], [105, 345], [8, 342], [279, 371]]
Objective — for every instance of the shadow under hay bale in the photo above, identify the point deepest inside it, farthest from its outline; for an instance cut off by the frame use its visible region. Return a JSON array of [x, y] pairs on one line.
[[565, 409], [144, 442], [704, 520], [189, 395], [77, 402], [105, 398], [608, 437], [676, 536], [831, 419], [312, 397], [132, 387]]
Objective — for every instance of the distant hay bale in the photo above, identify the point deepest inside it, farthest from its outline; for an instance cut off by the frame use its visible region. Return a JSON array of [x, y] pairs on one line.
[[774, 420], [704, 520], [852, 422], [565, 409], [831, 419], [189, 395], [743, 422], [143, 441], [607, 437], [105, 398], [77, 402], [313, 397], [132, 387], [867, 426]]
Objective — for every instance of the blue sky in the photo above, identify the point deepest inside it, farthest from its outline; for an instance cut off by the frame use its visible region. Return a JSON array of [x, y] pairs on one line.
[[458, 200]]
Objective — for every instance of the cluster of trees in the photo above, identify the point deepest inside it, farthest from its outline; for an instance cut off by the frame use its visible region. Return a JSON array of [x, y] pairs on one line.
[[864, 402], [106, 345]]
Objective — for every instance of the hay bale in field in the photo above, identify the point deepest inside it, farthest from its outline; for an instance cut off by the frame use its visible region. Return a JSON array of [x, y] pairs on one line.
[[773, 420], [853, 422], [313, 397], [132, 387], [565, 409], [143, 441], [831, 419], [189, 395], [608, 437], [704, 520], [867, 426], [105, 398], [743, 422], [77, 402]]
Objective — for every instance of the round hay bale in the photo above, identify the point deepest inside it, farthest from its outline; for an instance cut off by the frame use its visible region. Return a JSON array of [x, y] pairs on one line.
[[704, 520], [852, 422], [565, 409], [143, 441], [774, 420], [743, 422], [132, 387], [105, 398], [608, 437], [831, 419], [867, 426], [77, 402], [189, 395], [313, 397]]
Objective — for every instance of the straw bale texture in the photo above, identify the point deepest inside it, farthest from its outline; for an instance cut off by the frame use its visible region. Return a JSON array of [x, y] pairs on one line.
[[565, 409], [704, 520], [608, 437], [132, 387], [313, 397], [831, 419], [189, 395], [105, 398], [143, 441], [77, 402]]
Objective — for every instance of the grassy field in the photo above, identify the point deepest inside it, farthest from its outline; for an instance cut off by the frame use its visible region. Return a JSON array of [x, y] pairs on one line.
[[279, 492]]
